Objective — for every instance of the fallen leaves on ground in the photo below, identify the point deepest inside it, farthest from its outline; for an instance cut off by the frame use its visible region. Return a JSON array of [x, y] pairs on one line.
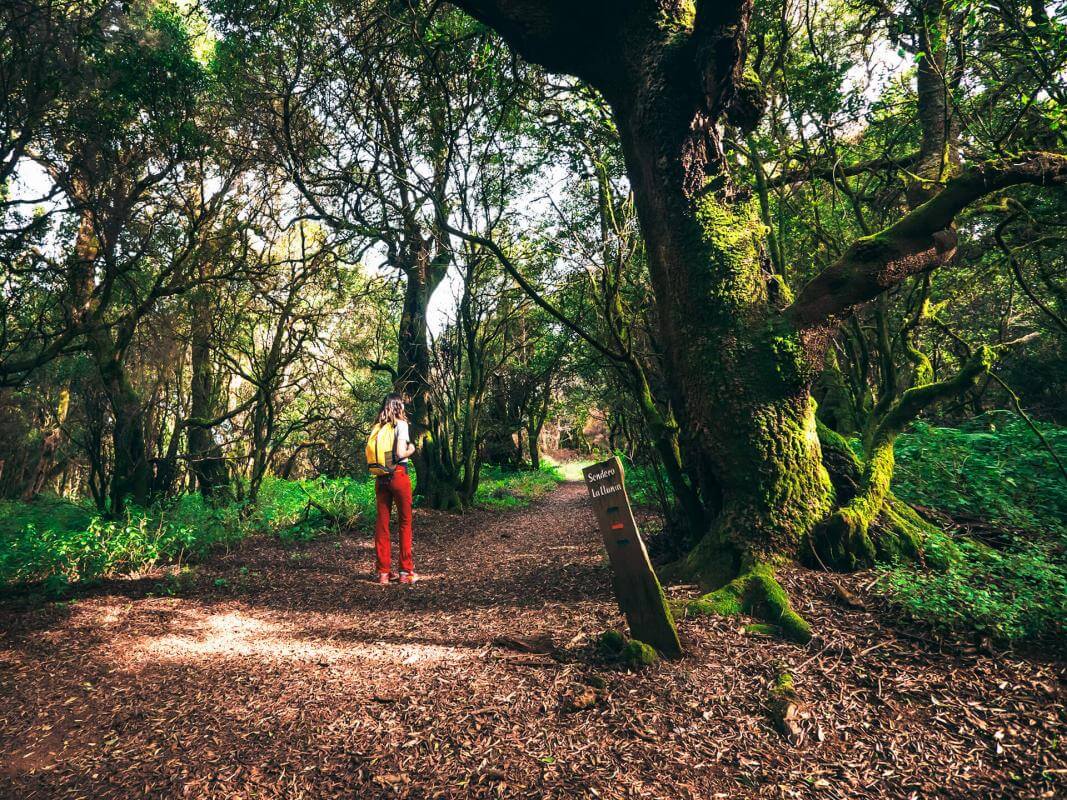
[[484, 681]]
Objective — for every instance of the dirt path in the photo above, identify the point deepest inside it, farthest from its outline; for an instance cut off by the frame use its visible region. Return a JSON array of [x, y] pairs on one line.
[[283, 672]]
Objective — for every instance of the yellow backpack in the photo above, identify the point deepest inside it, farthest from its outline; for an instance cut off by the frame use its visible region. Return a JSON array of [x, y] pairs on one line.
[[381, 450]]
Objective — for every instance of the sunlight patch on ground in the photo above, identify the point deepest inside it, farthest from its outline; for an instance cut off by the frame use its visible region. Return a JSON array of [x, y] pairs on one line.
[[236, 635]]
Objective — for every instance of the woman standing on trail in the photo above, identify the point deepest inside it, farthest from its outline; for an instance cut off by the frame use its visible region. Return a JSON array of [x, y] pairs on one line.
[[389, 449]]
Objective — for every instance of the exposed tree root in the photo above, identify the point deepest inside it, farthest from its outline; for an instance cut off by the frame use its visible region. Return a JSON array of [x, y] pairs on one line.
[[755, 592], [871, 524], [783, 705], [711, 563]]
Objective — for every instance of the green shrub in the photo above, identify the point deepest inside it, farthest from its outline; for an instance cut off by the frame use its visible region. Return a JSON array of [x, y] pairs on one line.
[[641, 486], [66, 548], [302, 510], [1014, 594], [53, 543], [996, 470]]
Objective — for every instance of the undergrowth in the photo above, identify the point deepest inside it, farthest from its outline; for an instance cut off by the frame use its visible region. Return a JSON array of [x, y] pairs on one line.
[[995, 470], [52, 543], [1013, 594], [501, 489]]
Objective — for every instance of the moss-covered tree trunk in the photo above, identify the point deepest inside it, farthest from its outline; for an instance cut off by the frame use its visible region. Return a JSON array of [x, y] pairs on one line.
[[742, 374], [47, 462], [131, 477], [740, 371]]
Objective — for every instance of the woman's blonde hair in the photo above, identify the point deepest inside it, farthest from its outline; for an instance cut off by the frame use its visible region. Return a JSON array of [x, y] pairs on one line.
[[392, 409]]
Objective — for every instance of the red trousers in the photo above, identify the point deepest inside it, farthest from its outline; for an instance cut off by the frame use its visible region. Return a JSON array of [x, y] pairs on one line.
[[389, 489]]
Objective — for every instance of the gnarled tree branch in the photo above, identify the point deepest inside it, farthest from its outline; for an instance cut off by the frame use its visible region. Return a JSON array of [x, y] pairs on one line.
[[561, 35], [920, 241], [835, 171]]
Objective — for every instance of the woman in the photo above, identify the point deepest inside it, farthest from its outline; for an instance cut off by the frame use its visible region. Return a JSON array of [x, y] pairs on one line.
[[395, 488]]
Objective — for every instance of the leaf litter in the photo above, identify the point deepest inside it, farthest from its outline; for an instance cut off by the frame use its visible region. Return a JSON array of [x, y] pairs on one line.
[[484, 681]]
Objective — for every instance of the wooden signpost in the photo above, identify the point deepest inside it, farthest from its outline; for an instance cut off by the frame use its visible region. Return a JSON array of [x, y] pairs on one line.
[[637, 588]]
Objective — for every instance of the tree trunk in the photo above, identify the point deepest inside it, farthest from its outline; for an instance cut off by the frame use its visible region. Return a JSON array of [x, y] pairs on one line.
[[741, 371], [166, 467], [742, 375], [131, 477], [46, 459], [207, 462], [436, 479], [131, 473], [533, 443]]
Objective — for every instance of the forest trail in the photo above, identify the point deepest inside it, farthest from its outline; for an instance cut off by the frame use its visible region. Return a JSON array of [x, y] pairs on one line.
[[284, 672]]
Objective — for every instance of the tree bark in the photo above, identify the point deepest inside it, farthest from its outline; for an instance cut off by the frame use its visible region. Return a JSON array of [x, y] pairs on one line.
[[436, 479], [131, 477], [50, 444], [131, 473], [207, 462]]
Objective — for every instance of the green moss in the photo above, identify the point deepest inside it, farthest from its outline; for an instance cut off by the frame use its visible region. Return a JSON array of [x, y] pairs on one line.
[[790, 361], [844, 540], [726, 602], [637, 654], [677, 607], [837, 408], [611, 642], [832, 440], [677, 21], [783, 684], [780, 290], [728, 236], [712, 562], [879, 246], [755, 592], [768, 601], [782, 705], [761, 629], [700, 608], [902, 532]]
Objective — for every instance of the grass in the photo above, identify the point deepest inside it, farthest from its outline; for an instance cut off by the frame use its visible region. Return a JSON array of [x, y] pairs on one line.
[[567, 470], [52, 543], [503, 489]]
